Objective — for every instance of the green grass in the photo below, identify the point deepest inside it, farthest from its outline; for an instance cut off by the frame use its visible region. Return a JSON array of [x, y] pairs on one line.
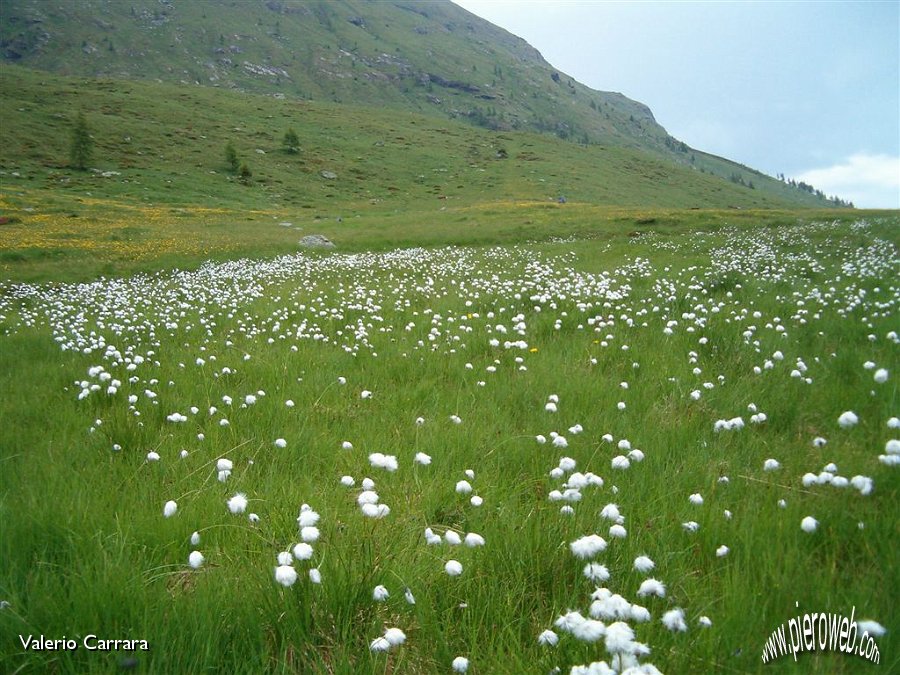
[[402, 180], [86, 548]]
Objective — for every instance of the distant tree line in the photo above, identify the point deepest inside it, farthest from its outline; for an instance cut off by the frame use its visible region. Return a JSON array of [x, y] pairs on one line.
[[806, 187]]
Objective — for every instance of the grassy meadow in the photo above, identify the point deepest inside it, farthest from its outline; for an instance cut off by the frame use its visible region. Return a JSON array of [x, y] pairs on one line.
[[596, 357]]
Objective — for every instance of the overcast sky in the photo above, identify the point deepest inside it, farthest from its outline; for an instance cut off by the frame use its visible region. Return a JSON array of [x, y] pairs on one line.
[[808, 89]]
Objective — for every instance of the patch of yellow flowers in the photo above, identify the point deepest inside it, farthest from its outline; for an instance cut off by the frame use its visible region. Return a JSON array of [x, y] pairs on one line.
[[111, 231]]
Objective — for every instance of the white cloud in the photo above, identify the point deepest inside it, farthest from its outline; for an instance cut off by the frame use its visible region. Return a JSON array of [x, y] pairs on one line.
[[869, 181]]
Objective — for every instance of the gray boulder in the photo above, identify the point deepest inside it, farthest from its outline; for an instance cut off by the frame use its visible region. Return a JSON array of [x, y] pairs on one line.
[[316, 241]]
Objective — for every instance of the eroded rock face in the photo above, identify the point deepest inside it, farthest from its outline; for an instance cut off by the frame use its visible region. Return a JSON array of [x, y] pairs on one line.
[[316, 241]]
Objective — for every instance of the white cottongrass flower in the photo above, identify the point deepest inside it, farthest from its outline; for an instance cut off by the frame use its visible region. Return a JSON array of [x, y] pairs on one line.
[[589, 630], [367, 497], [431, 538], [463, 487], [548, 638], [567, 464], [636, 455], [452, 538], [375, 510], [609, 605], [410, 598], [170, 508], [280, 443], [309, 534], [569, 620], [365, 393], [618, 532], [881, 376], [380, 594], [619, 638], [809, 524], [691, 526], [620, 462], [285, 575], [550, 407], [195, 539], [315, 576], [476, 500], [196, 559], [380, 461], [346, 445], [460, 664], [848, 419], [224, 465], [289, 403], [422, 458], [285, 558], [722, 551], [541, 439], [303, 551], [238, 503], [873, 628], [610, 512], [892, 447], [696, 499], [152, 456], [588, 546], [893, 423], [864, 484], [395, 636], [643, 564], [453, 567], [596, 572], [704, 621], [456, 419], [674, 620], [560, 442], [771, 465], [472, 540], [379, 644], [652, 587], [307, 517]]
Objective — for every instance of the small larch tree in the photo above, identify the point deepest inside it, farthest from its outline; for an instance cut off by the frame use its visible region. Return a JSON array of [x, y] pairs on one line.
[[231, 158], [82, 147], [291, 142]]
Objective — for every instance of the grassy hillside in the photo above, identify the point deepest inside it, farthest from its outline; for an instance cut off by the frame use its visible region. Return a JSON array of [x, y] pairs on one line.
[[159, 182], [432, 57]]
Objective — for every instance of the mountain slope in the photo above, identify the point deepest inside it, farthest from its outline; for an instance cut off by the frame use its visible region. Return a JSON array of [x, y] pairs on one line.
[[430, 57], [433, 57], [165, 143]]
